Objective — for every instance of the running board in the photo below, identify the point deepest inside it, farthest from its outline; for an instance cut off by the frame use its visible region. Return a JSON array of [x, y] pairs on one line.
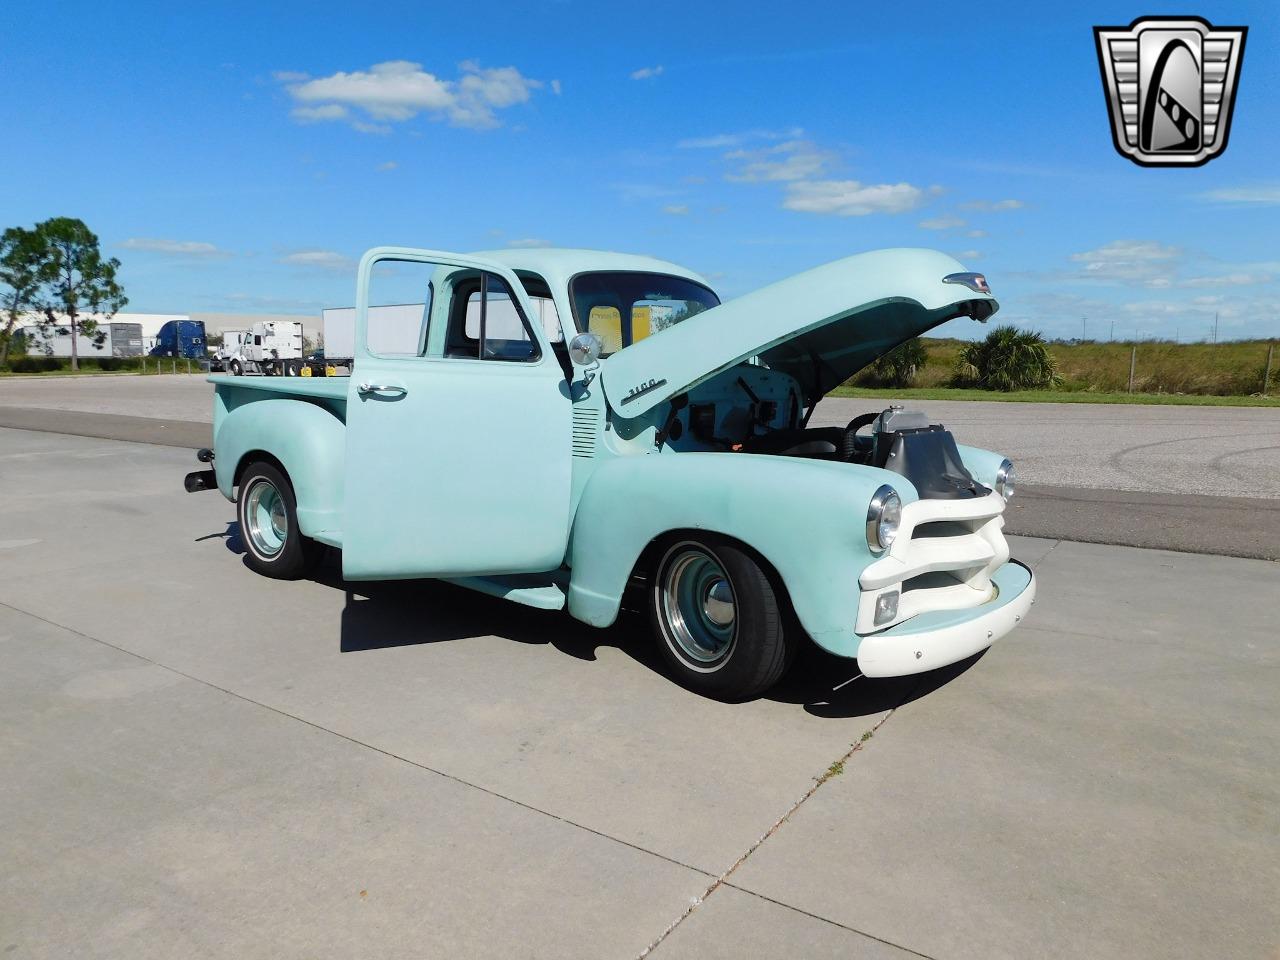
[[532, 590]]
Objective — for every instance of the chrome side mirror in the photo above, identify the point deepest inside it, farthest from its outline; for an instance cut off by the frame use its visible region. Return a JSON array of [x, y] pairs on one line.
[[585, 349]]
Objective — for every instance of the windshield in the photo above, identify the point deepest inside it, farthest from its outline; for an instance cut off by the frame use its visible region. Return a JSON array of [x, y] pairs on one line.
[[622, 308]]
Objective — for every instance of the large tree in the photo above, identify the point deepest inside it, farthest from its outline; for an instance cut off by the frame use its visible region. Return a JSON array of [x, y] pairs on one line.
[[21, 254], [74, 279]]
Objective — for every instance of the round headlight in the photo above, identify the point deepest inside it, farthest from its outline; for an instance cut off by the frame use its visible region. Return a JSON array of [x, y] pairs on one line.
[[884, 514], [1005, 480]]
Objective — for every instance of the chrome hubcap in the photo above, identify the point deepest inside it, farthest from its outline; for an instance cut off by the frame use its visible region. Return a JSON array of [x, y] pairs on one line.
[[718, 605], [266, 522], [698, 605]]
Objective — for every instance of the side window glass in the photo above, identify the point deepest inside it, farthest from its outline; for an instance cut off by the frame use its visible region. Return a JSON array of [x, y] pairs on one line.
[[488, 324], [400, 300], [545, 313]]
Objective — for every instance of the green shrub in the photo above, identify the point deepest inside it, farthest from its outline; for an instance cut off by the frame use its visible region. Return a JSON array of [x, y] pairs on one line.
[[34, 364], [898, 367], [1008, 359]]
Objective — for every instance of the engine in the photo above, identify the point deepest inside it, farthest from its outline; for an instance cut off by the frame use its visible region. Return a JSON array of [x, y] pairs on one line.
[[907, 443]]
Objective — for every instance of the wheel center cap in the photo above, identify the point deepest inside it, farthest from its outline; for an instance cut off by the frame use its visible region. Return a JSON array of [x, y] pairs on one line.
[[718, 603]]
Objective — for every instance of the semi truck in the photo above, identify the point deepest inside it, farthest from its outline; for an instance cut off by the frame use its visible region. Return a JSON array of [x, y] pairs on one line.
[[271, 348], [181, 338]]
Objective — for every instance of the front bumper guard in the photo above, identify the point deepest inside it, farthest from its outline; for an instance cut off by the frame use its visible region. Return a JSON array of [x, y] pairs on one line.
[[931, 640]]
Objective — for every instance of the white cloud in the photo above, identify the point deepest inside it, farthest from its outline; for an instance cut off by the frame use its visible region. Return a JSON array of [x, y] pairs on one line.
[[1227, 280], [792, 160], [968, 255], [555, 87], [720, 141], [850, 198], [529, 242], [645, 73], [675, 209], [398, 90], [328, 260], [1136, 262], [976, 234], [325, 111], [1267, 195], [175, 248], [389, 165], [941, 223], [993, 205]]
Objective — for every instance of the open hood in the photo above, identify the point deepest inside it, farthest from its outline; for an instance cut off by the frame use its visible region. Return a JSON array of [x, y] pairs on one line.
[[821, 326]]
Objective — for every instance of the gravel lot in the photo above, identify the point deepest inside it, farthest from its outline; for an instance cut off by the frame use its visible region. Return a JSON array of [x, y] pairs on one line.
[[1233, 451]]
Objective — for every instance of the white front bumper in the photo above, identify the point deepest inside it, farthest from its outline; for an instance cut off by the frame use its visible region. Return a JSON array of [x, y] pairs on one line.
[[923, 644]]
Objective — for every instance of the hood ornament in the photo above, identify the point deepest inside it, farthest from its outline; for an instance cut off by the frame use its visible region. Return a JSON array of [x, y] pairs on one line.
[[974, 281]]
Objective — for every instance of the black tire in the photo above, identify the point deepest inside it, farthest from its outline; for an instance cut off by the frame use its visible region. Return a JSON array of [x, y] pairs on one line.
[[237, 370], [739, 661], [262, 525], [291, 368]]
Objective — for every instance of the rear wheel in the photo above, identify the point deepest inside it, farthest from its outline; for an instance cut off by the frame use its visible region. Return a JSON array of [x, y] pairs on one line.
[[268, 515], [718, 620], [237, 370]]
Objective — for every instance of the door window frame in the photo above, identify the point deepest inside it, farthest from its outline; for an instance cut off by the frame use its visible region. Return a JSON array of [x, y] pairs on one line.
[[441, 258]]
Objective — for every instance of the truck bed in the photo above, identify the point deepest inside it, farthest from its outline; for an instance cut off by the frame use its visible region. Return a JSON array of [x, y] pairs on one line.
[[315, 388]]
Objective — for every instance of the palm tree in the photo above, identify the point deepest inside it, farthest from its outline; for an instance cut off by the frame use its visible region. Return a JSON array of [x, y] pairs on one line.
[[1008, 359], [898, 367]]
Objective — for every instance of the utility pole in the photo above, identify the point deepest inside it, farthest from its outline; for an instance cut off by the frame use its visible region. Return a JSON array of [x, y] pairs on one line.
[[1083, 336], [1113, 331], [1215, 326]]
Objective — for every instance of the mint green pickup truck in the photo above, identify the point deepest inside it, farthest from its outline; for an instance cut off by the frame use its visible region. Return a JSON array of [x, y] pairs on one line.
[[558, 426]]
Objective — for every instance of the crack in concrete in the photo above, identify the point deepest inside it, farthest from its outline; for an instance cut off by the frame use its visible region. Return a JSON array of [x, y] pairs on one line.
[[835, 769]]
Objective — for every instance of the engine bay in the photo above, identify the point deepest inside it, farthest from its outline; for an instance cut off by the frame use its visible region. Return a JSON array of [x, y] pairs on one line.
[[753, 409]]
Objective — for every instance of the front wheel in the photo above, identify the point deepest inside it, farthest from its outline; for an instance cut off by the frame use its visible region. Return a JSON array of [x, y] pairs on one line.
[[268, 515], [236, 368], [718, 620]]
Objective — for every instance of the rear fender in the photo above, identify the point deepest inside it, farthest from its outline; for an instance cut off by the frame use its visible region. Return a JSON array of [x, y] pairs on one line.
[[806, 518], [306, 439]]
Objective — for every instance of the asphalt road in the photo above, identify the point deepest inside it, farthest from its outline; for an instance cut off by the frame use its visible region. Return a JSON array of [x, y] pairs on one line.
[[196, 761], [1195, 479]]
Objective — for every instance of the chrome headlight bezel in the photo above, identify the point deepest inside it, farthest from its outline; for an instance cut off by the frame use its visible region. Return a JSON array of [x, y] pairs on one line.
[[884, 516], [1006, 480]]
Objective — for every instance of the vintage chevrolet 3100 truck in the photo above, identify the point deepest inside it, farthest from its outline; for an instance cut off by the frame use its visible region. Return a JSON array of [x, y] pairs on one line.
[[566, 424]]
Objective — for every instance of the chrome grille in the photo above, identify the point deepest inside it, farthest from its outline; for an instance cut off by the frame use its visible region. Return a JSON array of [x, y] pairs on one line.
[[942, 559]]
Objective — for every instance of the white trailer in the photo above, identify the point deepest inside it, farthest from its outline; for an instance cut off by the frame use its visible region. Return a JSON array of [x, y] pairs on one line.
[[109, 340], [272, 348]]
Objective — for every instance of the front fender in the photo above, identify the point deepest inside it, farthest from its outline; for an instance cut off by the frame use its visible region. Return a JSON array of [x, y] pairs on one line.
[[982, 464], [310, 443], [807, 518]]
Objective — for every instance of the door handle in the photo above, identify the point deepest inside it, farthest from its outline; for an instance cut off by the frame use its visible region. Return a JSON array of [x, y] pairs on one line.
[[391, 389]]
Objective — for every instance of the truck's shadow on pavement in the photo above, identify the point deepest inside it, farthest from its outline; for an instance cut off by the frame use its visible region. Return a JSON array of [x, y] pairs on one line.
[[396, 613]]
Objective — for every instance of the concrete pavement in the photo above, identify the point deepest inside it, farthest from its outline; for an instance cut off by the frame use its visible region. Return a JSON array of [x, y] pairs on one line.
[[196, 760]]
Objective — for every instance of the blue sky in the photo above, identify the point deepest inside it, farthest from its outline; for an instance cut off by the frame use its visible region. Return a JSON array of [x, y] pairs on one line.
[[239, 157]]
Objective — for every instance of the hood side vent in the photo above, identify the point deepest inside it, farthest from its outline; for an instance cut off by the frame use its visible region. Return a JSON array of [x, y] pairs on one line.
[[586, 425]]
